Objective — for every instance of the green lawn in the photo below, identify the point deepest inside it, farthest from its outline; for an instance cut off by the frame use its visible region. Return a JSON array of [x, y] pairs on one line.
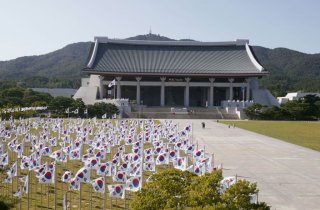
[[306, 134]]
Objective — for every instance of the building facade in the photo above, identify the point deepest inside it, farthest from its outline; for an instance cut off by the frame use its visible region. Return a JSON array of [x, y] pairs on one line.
[[171, 73]]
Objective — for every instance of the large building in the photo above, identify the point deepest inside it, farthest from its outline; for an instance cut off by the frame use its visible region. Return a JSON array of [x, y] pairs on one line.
[[173, 73]]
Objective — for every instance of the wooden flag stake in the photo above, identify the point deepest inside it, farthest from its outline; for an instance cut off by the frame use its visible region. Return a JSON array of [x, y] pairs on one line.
[[55, 186], [28, 187], [105, 194], [48, 197], [90, 198], [80, 196]]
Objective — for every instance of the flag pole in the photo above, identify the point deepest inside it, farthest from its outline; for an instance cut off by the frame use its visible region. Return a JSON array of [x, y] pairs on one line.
[[105, 194], [90, 197], [212, 161], [55, 187], [48, 197], [28, 187], [192, 133], [125, 200], [80, 196], [41, 194], [70, 200]]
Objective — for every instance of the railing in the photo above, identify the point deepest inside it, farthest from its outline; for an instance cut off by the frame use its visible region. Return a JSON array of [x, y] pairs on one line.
[[238, 104], [179, 110]]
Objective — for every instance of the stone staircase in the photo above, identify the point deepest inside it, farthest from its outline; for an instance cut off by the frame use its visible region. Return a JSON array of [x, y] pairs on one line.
[[193, 113]]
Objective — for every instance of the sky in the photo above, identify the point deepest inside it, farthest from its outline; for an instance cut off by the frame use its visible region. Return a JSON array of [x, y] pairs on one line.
[[36, 27]]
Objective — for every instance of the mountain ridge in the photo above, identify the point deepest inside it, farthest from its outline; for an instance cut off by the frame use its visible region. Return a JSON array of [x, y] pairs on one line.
[[290, 70]]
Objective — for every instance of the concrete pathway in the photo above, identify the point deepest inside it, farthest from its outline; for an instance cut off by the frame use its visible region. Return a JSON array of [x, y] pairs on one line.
[[288, 176]]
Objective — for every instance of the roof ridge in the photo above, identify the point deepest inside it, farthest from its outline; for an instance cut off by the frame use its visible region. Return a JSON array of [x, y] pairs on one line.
[[237, 42]]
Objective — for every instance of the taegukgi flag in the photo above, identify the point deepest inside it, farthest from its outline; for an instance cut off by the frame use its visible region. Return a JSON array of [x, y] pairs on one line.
[[112, 83]]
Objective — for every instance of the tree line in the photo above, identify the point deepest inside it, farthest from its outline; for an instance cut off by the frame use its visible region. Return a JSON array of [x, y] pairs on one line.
[[306, 108], [17, 97]]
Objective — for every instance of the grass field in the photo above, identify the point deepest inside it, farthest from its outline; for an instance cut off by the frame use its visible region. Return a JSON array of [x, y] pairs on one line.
[[306, 134], [45, 196]]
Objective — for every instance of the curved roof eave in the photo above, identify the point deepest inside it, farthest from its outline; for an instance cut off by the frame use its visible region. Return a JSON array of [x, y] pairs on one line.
[[254, 74], [253, 59], [93, 55]]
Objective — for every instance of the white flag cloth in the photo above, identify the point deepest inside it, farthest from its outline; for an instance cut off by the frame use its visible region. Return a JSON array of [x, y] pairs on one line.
[[173, 154], [13, 170], [133, 184], [8, 179], [74, 184], [116, 191], [162, 159], [4, 159], [98, 185], [227, 182], [47, 178], [149, 166], [18, 193], [25, 181], [105, 169], [92, 163], [75, 154], [254, 198], [200, 169], [180, 163], [197, 154], [112, 83], [83, 175], [66, 176], [120, 176]]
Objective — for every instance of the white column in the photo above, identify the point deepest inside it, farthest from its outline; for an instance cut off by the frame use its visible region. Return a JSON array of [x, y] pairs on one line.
[[248, 89], [138, 90], [118, 87], [101, 89], [162, 94], [211, 93], [186, 96], [231, 89]]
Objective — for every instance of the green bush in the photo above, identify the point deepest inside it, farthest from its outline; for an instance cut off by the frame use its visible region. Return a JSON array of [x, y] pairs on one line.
[[175, 189]]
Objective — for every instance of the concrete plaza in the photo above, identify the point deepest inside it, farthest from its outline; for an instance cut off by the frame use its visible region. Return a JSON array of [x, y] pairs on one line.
[[288, 176]]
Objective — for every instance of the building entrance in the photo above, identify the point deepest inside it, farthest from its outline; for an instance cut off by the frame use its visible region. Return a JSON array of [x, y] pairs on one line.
[[174, 96]]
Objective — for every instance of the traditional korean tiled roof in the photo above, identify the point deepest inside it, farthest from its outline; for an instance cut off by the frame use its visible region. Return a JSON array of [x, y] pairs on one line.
[[172, 58]]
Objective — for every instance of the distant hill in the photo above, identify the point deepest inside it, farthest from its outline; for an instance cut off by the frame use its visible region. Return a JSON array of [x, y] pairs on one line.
[[65, 63], [289, 70]]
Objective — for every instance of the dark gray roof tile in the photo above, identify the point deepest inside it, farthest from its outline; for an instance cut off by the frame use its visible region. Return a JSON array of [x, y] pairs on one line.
[[171, 58]]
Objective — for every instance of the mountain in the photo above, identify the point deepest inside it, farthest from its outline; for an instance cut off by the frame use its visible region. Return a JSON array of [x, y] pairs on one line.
[[65, 63], [289, 70]]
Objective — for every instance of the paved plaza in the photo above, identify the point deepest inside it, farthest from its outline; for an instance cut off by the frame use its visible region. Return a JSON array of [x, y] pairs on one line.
[[288, 176]]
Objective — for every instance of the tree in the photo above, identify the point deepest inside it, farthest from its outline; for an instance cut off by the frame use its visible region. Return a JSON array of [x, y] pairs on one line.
[[168, 190], [204, 190], [60, 104], [238, 196], [174, 189], [101, 108], [254, 111], [79, 105]]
